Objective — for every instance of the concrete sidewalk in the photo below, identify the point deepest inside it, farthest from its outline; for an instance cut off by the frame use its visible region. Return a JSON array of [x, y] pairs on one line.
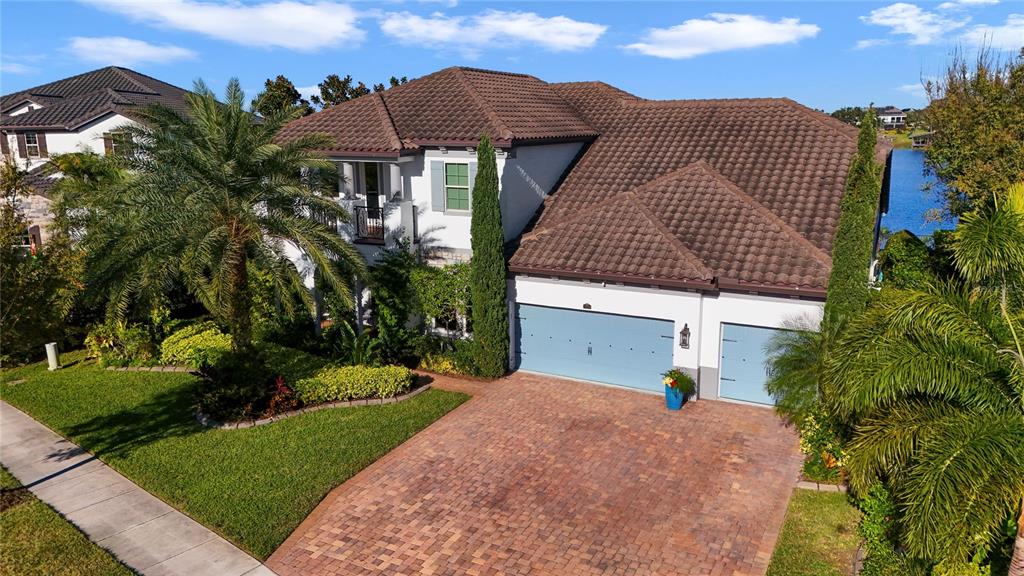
[[135, 526]]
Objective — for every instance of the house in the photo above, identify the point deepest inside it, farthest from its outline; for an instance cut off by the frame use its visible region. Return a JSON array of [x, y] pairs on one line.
[[644, 235], [80, 113], [892, 118]]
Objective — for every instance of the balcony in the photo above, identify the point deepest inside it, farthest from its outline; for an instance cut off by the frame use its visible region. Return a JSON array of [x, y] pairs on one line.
[[369, 224]]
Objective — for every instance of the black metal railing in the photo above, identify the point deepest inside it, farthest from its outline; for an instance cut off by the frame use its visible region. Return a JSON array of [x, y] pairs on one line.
[[369, 224]]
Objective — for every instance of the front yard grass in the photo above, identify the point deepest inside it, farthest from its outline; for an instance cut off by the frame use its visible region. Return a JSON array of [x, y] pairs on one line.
[[253, 486], [37, 540], [819, 536]]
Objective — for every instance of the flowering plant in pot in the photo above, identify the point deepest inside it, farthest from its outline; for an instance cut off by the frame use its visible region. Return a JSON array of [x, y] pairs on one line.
[[678, 387]]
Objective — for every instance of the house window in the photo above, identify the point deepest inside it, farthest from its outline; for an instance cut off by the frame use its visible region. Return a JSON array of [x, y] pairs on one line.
[[456, 181], [117, 144], [32, 144]]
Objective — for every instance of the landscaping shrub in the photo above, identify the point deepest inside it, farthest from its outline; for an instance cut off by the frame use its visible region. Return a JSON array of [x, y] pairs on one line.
[[905, 262], [121, 344], [196, 345], [236, 386], [292, 364], [393, 299], [354, 382], [878, 528], [820, 442], [443, 356]]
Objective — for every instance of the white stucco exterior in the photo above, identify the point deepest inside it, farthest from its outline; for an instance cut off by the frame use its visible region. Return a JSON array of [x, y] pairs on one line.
[[527, 174], [88, 138], [703, 313]]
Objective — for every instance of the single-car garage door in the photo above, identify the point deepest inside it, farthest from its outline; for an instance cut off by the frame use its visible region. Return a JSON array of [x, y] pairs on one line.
[[621, 350], [743, 371]]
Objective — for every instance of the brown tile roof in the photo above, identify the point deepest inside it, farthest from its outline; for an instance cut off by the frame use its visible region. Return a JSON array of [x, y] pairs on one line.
[[71, 102], [453, 106], [751, 188]]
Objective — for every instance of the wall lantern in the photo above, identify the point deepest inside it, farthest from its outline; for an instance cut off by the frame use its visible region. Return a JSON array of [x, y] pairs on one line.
[[587, 306], [684, 336]]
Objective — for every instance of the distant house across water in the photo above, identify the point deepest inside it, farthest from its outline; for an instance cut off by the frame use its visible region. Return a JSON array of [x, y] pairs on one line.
[[892, 118]]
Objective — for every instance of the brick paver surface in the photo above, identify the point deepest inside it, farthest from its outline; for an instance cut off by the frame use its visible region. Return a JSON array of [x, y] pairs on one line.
[[536, 475]]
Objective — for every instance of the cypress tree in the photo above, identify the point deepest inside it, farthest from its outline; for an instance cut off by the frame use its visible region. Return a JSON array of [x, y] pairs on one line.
[[848, 290], [487, 274]]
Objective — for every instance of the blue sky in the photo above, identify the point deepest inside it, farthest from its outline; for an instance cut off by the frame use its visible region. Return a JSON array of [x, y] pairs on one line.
[[823, 54]]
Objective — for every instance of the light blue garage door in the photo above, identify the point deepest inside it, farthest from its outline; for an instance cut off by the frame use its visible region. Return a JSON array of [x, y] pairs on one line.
[[622, 350], [743, 372]]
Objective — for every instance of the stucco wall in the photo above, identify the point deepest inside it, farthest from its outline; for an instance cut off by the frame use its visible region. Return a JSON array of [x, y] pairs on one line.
[[88, 138], [703, 313], [525, 179]]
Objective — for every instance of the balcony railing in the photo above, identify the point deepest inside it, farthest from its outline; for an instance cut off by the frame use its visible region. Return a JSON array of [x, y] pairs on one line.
[[369, 224]]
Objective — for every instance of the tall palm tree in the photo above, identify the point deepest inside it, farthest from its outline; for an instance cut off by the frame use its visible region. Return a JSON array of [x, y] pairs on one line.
[[206, 196], [935, 378]]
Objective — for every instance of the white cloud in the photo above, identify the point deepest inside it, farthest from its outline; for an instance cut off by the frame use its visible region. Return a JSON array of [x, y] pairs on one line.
[[307, 91], [125, 51], [15, 68], [491, 28], [916, 90], [719, 33], [962, 4], [280, 24], [1009, 36], [871, 43], [922, 26]]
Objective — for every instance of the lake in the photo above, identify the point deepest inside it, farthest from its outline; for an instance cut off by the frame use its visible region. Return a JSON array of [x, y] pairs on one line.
[[910, 199]]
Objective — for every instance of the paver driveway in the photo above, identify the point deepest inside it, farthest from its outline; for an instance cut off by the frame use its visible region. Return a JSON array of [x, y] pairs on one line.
[[536, 475]]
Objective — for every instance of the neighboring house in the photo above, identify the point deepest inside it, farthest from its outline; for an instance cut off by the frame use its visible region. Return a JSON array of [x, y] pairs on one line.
[[892, 118], [657, 233], [80, 113]]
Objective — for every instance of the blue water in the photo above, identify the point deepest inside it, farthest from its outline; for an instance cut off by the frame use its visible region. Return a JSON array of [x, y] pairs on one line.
[[912, 194]]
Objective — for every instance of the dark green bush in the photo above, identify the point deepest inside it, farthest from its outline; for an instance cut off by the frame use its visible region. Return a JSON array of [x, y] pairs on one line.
[[905, 262], [393, 299], [236, 386], [488, 274], [879, 530], [354, 382], [446, 356]]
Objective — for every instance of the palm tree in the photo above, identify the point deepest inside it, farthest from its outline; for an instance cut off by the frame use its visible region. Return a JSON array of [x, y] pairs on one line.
[[935, 380], [796, 366], [206, 198]]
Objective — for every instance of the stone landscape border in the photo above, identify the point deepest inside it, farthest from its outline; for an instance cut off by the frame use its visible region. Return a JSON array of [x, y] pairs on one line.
[[211, 423], [150, 368], [820, 486]]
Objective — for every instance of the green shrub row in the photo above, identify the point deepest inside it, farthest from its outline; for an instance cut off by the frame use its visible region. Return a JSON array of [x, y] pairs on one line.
[[195, 345], [335, 383]]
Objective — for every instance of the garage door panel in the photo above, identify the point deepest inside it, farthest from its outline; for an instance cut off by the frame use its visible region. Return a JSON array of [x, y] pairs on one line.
[[743, 372], [622, 350]]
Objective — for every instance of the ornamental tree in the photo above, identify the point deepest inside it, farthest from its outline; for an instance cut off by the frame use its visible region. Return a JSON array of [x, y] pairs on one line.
[[487, 276]]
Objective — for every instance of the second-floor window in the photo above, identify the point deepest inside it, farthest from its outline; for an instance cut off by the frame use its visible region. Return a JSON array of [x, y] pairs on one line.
[[32, 145], [456, 180]]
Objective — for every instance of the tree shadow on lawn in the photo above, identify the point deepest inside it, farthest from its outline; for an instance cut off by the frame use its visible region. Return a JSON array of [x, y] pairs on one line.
[[167, 414]]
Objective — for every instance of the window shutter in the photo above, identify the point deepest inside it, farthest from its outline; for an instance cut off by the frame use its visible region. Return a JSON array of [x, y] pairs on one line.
[[41, 139], [472, 183], [6, 148], [108, 143], [22, 148], [437, 185]]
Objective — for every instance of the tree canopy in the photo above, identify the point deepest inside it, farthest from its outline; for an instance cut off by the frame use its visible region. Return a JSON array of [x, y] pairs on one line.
[[279, 95]]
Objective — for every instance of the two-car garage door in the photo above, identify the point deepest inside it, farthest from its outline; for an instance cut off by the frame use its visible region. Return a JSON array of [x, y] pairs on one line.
[[631, 351], [620, 350]]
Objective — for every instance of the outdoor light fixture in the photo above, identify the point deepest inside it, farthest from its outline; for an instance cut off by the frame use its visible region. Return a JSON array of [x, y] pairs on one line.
[[684, 336]]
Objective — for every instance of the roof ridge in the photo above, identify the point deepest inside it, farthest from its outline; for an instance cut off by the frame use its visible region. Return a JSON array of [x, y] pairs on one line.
[[676, 243], [121, 72], [503, 132], [382, 108], [489, 71], [793, 233], [820, 118]]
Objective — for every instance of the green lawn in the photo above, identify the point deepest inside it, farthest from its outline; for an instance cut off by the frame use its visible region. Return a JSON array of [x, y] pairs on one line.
[[37, 540], [819, 537], [253, 486]]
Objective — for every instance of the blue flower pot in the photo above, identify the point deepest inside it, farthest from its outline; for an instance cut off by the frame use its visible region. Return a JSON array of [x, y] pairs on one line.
[[674, 398]]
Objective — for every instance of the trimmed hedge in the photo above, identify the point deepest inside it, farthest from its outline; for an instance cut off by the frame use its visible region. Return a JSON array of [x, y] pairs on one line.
[[335, 383], [848, 289], [195, 345]]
